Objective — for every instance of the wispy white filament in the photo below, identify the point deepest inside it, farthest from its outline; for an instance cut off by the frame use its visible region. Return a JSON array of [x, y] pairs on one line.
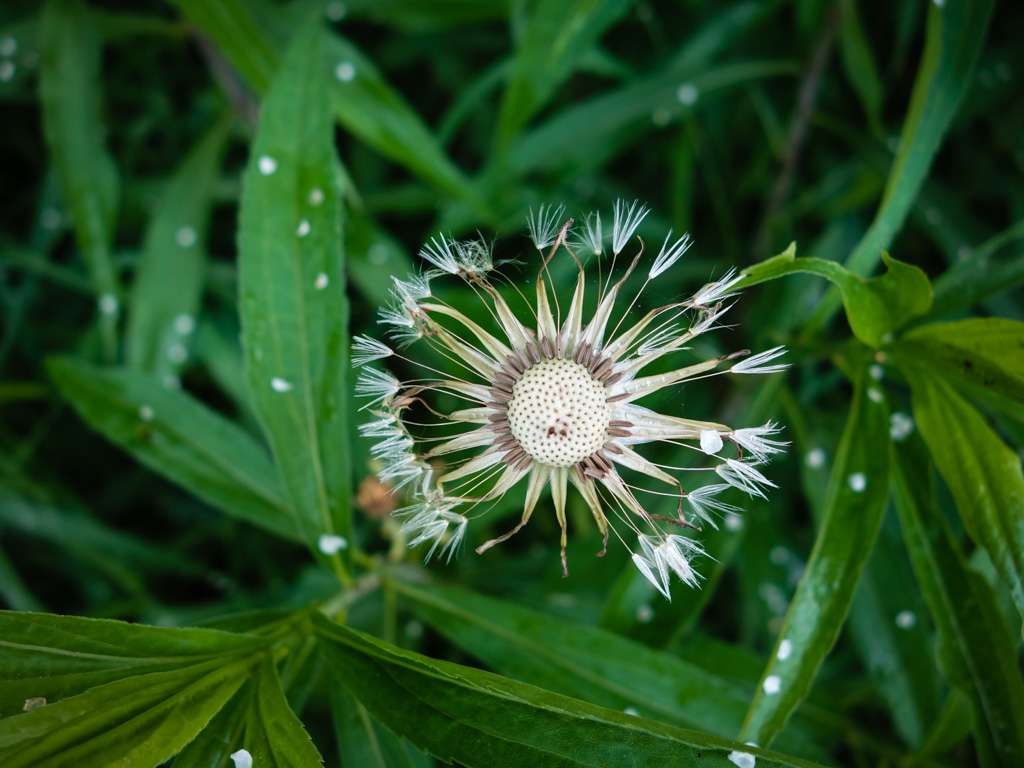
[[377, 385], [741, 475], [625, 220], [669, 254], [759, 363], [543, 225], [366, 349]]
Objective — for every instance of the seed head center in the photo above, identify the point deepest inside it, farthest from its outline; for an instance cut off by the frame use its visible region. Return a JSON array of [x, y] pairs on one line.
[[558, 413]]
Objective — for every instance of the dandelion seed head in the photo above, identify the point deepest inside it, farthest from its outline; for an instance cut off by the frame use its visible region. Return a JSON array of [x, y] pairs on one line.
[[550, 397]]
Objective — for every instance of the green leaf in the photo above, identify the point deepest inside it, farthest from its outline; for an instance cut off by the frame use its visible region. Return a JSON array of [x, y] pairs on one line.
[[480, 719], [292, 284], [372, 110], [886, 621], [588, 132], [982, 472], [415, 15], [556, 34], [859, 63], [69, 90], [55, 657], [178, 437], [594, 664], [273, 735], [363, 741], [363, 102], [980, 275], [854, 507], [169, 275], [954, 40], [976, 650], [984, 356], [140, 720], [875, 307]]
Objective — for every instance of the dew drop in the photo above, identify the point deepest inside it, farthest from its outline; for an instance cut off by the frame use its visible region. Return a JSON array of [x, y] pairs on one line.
[[644, 614], [710, 441], [267, 165], [414, 629], [785, 648], [51, 218], [241, 758], [687, 94], [733, 522], [742, 759], [108, 304], [345, 71], [303, 229], [7, 70], [772, 684], [185, 237], [378, 254], [184, 324], [280, 385], [177, 353], [906, 619], [875, 395], [876, 372], [815, 458], [316, 196], [321, 281], [8, 46], [900, 426], [633, 711], [146, 412], [857, 482], [35, 702], [331, 544]]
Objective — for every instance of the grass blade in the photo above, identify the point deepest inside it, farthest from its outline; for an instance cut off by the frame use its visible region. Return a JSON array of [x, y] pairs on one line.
[[854, 507], [69, 89], [169, 276]]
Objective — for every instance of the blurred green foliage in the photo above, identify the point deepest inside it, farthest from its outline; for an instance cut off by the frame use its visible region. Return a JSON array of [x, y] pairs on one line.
[[152, 284]]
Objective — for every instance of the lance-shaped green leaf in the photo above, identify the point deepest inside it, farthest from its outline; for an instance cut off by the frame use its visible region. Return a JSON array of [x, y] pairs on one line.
[[273, 735], [976, 650], [596, 665], [415, 15], [139, 720], [181, 439], [875, 307], [43, 656], [69, 90], [982, 472], [954, 40], [169, 276], [984, 356], [859, 63], [363, 741], [476, 718], [854, 507], [292, 283], [889, 627], [556, 34]]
